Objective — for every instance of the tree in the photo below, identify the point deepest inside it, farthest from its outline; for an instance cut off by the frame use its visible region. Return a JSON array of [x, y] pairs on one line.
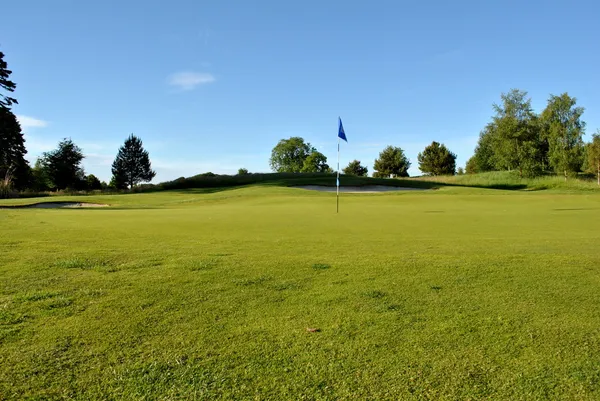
[[593, 154], [289, 154], [460, 171], [355, 168], [12, 150], [391, 162], [315, 162], [471, 166], [92, 182], [483, 159], [132, 164], [6, 84], [117, 183], [63, 166], [516, 134], [39, 176], [563, 130], [243, 171], [436, 159]]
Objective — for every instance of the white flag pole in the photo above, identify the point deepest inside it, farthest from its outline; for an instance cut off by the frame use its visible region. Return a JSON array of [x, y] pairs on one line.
[[337, 210]]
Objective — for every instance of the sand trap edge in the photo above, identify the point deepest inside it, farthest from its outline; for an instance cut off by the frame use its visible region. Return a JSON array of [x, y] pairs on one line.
[[55, 205]]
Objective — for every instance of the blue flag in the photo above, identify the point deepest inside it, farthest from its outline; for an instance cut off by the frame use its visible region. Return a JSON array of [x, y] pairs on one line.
[[341, 132]]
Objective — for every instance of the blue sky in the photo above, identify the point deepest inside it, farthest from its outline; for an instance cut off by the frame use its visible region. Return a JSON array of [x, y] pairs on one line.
[[213, 85]]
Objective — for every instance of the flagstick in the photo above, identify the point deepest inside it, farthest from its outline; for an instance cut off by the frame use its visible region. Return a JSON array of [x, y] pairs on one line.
[[337, 210]]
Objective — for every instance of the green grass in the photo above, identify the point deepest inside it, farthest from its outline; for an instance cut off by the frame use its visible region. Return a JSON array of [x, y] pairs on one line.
[[266, 293], [511, 181]]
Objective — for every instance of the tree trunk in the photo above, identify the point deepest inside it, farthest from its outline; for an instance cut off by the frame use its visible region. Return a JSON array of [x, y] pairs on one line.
[[565, 175]]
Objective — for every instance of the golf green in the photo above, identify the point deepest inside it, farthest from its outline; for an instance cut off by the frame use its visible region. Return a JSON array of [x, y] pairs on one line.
[[267, 293]]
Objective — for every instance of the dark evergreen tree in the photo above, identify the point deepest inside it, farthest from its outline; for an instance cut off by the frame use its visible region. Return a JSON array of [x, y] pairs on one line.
[[6, 84], [12, 150], [132, 164], [63, 166], [93, 183]]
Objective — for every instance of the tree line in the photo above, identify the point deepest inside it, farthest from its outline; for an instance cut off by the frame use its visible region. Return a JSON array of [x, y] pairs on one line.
[[533, 144], [294, 155], [61, 168], [516, 138]]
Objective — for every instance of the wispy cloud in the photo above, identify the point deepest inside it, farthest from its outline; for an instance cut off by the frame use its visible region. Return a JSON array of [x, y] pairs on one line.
[[31, 122], [37, 145], [188, 80]]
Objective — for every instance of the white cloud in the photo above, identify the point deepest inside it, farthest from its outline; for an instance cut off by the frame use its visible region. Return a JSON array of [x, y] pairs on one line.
[[31, 122], [188, 80], [99, 159]]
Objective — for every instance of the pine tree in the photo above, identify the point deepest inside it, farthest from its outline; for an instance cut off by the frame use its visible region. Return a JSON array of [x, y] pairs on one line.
[[6, 84], [14, 169], [12, 150], [132, 164]]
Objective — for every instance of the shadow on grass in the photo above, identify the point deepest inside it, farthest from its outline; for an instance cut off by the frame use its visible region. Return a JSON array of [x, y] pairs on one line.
[[345, 181], [504, 187]]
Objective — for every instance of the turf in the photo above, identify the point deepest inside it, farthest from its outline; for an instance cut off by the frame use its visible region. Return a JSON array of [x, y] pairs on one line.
[[266, 293]]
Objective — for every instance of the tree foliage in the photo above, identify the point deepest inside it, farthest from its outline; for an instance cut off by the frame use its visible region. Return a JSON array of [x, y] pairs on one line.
[[243, 171], [39, 176], [512, 140], [391, 162], [515, 134], [593, 155], [315, 162], [132, 164], [436, 159], [355, 168], [483, 159], [12, 150], [563, 131], [288, 155], [6, 84], [62, 166], [93, 183]]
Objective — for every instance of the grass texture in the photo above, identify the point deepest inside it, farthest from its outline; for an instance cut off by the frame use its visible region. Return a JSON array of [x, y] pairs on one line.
[[265, 293]]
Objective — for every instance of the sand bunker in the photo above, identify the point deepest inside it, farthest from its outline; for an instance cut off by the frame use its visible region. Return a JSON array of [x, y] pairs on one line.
[[368, 189], [56, 205]]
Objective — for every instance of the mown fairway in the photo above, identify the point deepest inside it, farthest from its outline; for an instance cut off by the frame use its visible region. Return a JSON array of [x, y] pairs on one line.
[[448, 294]]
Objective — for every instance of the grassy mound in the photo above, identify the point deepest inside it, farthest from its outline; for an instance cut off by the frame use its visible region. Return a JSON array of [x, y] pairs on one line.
[[280, 179], [511, 181]]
